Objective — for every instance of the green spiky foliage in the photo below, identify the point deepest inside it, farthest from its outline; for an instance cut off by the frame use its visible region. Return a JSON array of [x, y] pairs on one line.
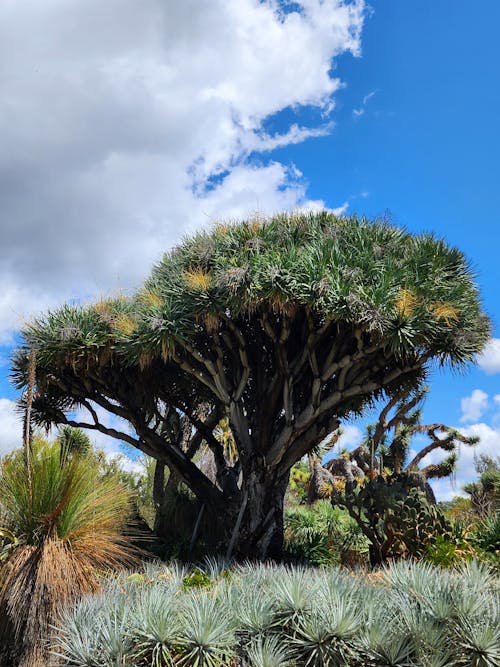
[[394, 515], [387, 444], [64, 527], [268, 652], [320, 534], [73, 441], [284, 325], [485, 492]]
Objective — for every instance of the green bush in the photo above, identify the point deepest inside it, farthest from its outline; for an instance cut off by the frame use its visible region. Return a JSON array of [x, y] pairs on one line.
[[320, 535], [486, 534]]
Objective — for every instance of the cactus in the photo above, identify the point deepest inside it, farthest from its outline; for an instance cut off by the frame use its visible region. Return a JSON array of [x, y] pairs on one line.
[[394, 514]]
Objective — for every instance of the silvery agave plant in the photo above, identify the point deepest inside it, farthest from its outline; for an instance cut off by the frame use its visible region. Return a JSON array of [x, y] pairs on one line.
[[407, 615]]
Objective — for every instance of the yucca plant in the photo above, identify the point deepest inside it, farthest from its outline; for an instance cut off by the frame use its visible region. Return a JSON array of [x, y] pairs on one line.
[[78, 637], [293, 593], [325, 637], [452, 613], [68, 525], [96, 632], [253, 610], [154, 628], [478, 642], [382, 645], [270, 616], [268, 652], [205, 632]]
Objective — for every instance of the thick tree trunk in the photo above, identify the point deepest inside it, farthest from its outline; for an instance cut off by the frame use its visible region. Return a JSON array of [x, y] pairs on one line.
[[259, 533], [376, 557], [159, 484]]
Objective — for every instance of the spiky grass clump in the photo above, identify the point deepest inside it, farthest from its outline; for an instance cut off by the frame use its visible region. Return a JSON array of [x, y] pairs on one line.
[[450, 617], [268, 652], [409, 615], [67, 527]]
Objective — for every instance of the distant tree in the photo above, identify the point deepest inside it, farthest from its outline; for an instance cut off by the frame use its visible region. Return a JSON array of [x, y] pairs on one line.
[[385, 490], [73, 441], [283, 326], [485, 492]]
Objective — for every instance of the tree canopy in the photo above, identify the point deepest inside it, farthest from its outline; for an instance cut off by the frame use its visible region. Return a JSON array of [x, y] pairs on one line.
[[284, 325]]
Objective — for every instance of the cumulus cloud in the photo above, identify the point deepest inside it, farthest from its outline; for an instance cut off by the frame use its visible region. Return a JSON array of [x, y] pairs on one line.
[[11, 432], [351, 437], [124, 124], [489, 360], [489, 445], [474, 406]]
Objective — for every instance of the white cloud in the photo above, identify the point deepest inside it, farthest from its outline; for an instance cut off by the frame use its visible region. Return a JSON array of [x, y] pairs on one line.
[[11, 434], [489, 444], [124, 124], [11, 427], [20, 303], [474, 406], [351, 437], [489, 360], [368, 97], [362, 109]]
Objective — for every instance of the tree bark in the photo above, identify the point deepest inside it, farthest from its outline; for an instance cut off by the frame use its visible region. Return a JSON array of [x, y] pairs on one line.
[[159, 484], [376, 557], [260, 536]]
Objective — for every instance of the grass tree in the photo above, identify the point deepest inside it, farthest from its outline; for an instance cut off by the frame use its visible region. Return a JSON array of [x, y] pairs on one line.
[[64, 524], [285, 326]]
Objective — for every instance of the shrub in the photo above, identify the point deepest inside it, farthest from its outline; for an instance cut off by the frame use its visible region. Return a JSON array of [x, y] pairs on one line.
[[320, 534]]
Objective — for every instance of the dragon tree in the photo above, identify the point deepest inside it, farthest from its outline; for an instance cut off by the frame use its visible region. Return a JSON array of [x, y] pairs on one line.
[[284, 326]]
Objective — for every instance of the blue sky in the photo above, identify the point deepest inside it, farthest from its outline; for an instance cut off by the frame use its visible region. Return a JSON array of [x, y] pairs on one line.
[[95, 187]]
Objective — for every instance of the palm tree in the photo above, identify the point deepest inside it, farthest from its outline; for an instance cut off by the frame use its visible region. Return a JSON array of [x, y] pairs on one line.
[[64, 523], [73, 441]]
